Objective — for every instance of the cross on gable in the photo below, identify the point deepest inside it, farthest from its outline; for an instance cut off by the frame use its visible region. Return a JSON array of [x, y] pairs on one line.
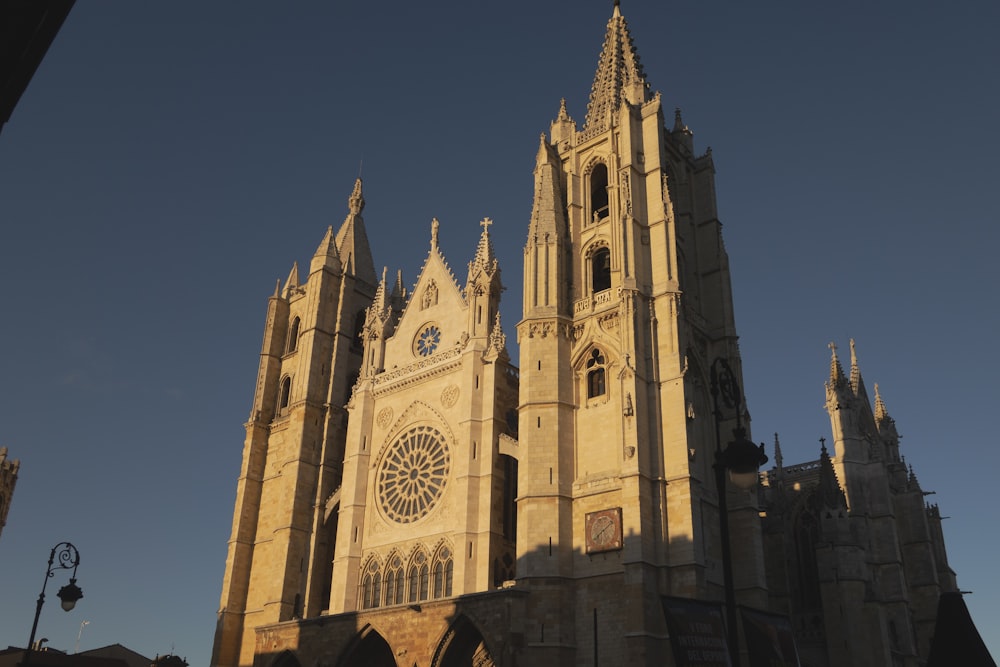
[[485, 224]]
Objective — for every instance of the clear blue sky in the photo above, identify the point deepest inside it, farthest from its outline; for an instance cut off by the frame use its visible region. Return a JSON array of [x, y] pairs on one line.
[[170, 161]]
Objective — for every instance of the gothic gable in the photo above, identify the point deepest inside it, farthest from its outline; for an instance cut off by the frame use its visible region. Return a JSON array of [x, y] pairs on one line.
[[435, 317]]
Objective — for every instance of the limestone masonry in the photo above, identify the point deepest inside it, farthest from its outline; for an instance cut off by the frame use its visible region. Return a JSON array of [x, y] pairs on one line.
[[408, 496]]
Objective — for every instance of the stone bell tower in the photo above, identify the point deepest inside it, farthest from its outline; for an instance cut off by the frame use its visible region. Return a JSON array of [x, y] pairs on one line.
[[627, 302], [278, 565]]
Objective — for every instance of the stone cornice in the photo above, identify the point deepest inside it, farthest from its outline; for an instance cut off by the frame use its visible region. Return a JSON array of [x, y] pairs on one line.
[[418, 371]]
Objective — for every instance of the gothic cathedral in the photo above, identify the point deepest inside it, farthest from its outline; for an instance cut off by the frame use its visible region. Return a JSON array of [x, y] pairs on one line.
[[409, 497]]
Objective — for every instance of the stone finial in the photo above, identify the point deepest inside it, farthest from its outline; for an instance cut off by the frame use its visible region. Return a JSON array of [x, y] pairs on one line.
[[778, 461], [837, 377], [497, 345], [356, 202], [881, 414], [855, 370], [563, 113], [435, 225]]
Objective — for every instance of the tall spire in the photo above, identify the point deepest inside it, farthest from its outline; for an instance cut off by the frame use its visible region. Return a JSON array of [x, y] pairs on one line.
[[352, 240], [619, 74], [857, 382], [881, 414], [837, 378]]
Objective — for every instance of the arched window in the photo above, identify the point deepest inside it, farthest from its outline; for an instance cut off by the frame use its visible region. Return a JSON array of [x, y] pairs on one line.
[[394, 581], [438, 579], [371, 585], [293, 335], [424, 576], [285, 394], [599, 193], [418, 578], [600, 270], [412, 584], [595, 374], [444, 568]]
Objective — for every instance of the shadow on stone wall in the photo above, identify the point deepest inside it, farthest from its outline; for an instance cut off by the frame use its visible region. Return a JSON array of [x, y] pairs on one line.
[[537, 620]]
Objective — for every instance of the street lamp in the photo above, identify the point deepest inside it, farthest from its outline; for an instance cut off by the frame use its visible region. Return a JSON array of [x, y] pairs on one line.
[[741, 459], [64, 556]]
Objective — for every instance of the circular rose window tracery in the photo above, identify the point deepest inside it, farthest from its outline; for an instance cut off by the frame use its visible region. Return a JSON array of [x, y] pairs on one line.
[[412, 475]]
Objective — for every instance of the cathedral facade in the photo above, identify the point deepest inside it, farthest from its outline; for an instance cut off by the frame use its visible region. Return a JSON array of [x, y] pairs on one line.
[[409, 496]]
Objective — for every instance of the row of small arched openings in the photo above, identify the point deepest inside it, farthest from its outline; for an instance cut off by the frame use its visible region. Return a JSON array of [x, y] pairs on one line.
[[395, 582]]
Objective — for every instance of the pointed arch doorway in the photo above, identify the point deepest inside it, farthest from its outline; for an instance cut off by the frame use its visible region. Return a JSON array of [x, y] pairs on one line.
[[369, 649], [463, 645]]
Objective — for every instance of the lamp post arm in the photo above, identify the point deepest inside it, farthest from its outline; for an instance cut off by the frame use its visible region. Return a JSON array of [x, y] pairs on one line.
[[69, 558]]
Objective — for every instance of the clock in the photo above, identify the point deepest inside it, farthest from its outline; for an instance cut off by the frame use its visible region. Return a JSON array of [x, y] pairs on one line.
[[604, 530]]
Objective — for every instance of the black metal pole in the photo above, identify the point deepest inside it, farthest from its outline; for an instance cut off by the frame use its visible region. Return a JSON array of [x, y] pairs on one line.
[[69, 558], [730, 393], [38, 607], [727, 561]]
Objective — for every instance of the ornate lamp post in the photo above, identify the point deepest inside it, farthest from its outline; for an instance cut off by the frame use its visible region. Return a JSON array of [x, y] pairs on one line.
[[741, 458], [64, 556]]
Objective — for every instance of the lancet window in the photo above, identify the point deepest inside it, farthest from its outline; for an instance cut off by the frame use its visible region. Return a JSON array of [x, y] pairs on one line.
[[394, 580], [598, 193], [418, 578], [600, 270], [293, 335], [371, 585], [444, 569], [284, 394], [596, 384]]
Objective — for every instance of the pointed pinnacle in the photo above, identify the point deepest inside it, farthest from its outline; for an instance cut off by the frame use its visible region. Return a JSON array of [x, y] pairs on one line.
[[836, 370], [563, 114], [855, 371], [435, 225], [881, 414], [356, 202]]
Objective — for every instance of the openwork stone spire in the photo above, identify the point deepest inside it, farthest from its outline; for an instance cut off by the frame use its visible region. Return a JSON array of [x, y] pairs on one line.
[[618, 73], [485, 260], [837, 378]]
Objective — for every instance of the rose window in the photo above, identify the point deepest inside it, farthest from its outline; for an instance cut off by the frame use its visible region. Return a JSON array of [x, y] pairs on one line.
[[428, 340], [412, 476]]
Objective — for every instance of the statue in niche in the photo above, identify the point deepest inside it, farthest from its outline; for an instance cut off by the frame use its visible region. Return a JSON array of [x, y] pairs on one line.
[[430, 297]]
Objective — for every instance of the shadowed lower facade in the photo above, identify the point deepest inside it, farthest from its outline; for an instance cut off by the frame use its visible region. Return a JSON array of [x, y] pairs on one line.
[[409, 496]]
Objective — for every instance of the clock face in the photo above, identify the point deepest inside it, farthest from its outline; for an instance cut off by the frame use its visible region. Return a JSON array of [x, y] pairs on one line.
[[428, 340], [604, 530]]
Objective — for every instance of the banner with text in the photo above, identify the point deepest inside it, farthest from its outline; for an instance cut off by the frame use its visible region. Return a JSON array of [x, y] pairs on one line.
[[697, 632]]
